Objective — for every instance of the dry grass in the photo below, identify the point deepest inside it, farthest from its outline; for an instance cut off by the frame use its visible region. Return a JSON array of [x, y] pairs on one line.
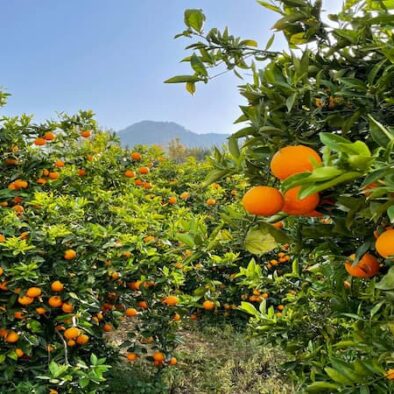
[[212, 359]]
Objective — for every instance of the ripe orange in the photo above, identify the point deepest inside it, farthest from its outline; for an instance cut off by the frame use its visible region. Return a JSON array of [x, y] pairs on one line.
[[19, 352], [147, 185], [99, 316], [40, 141], [143, 304], [25, 300], [292, 160], [136, 156], [71, 342], [3, 332], [86, 133], [67, 307], [18, 209], [389, 374], [385, 243], [49, 136], [139, 182], [367, 267], [83, 339], [1, 271], [263, 201], [12, 337], [173, 361], [19, 315], [211, 202], [132, 356], [11, 162], [149, 238], [70, 254], [185, 196], [131, 312], [107, 327], [295, 206], [34, 292], [134, 285], [172, 200], [55, 301], [129, 174], [208, 305], [159, 356], [57, 286], [171, 300], [81, 172], [143, 170], [24, 235], [59, 163], [20, 184], [40, 310], [2, 238], [72, 333], [41, 181], [176, 317], [54, 175]]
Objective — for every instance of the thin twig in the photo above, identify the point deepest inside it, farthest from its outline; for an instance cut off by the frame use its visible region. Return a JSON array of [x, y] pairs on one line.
[[65, 347]]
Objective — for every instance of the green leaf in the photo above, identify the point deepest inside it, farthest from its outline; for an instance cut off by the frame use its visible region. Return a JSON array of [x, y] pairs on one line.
[[270, 42], [379, 133], [376, 308], [298, 39], [186, 239], [318, 387], [291, 101], [249, 43], [191, 87], [387, 282], [315, 188], [183, 79], [390, 213], [248, 308], [270, 6], [336, 376], [233, 147], [194, 19], [198, 65], [214, 176], [259, 241]]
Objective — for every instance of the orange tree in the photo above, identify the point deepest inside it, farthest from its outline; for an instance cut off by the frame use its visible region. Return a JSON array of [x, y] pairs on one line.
[[318, 130], [91, 235], [84, 244]]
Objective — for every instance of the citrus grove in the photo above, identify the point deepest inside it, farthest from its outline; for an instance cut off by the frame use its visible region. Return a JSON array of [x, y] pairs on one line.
[[288, 231], [316, 147], [93, 236]]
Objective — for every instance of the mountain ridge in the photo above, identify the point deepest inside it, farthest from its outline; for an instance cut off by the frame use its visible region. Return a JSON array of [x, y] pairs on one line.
[[149, 132]]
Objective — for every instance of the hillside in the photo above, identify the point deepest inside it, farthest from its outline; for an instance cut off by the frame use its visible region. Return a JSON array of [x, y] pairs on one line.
[[161, 133]]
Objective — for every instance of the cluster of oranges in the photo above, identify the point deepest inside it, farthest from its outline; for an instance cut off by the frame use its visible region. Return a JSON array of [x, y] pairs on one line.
[[159, 358], [268, 201], [368, 265], [282, 258]]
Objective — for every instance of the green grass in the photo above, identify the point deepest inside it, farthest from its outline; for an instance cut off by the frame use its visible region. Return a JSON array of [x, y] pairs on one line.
[[212, 359]]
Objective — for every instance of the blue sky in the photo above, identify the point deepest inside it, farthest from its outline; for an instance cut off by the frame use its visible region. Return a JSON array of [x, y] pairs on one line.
[[112, 56]]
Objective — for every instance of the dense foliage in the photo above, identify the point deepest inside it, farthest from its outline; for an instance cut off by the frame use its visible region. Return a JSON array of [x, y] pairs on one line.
[[331, 92]]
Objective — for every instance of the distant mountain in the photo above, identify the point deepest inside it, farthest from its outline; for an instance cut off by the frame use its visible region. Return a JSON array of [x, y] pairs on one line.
[[149, 132]]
